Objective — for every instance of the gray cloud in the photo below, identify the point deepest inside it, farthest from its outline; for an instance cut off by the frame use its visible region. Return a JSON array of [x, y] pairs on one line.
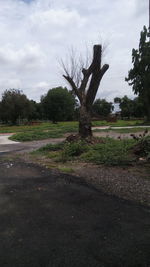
[[35, 34]]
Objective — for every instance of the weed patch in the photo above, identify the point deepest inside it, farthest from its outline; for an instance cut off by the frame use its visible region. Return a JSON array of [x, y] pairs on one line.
[[142, 148], [112, 152], [108, 151], [36, 135], [52, 147], [66, 169], [74, 149], [119, 123]]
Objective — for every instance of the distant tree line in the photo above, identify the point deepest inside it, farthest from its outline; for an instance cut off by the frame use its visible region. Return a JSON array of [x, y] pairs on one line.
[[60, 104], [131, 108]]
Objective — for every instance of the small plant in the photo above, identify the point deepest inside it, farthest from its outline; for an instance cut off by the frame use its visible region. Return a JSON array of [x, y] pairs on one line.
[[142, 148], [52, 147], [112, 152], [66, 169], [141, 136], [73, 149]]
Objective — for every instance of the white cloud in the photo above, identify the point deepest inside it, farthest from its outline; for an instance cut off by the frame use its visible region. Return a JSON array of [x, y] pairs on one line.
[[56, 18], [35, 34], [26, 58], [10, 83]]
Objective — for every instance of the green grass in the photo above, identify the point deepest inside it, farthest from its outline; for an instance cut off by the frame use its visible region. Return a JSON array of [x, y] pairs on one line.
[[119, 123], [36, 135], [51, 147], [126, 130], [66, 169], [40, 132], [131, 130], [111, 152], [108, 151], [50, 130], [51, 151], [65, 126]]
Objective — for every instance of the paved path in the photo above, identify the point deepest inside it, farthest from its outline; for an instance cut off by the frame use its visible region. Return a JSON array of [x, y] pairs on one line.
[[4, 139], [27, 146], [57, 220], [110, 127]]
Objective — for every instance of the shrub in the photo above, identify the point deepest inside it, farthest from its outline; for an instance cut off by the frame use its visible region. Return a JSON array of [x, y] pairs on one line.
[[142, 148], [112, 152], [52, 147], [74, 149]]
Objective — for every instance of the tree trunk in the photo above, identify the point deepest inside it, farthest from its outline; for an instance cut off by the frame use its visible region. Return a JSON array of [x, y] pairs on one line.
[[148, 112], [86, 92], [85, 125], [147, 105]]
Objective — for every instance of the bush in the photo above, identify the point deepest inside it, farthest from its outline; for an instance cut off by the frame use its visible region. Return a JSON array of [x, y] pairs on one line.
[[52, 147], [112, 152], [74, 150], [142, 148]]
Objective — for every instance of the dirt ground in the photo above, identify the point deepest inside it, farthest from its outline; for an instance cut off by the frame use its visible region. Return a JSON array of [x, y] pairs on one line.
[[53, 220]]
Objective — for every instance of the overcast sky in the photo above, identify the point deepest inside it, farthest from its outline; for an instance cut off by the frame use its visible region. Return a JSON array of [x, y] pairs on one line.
[[35, 34]]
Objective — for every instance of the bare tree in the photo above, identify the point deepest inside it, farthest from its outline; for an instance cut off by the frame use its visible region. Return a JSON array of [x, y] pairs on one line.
[[85, 83]]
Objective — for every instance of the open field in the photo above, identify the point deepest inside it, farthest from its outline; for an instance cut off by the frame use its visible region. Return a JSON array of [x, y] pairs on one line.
[[50, 130]]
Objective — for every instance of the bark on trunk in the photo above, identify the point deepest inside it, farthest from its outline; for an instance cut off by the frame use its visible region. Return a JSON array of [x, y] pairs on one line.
[[86, 93], [148, 113], [85, 125], [147, 105]]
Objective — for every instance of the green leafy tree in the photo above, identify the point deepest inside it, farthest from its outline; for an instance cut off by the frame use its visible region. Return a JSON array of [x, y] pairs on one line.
[[139, 109], [102, 108], [14, 106], [139, 75], [35, 111], [130, 107], [126, 106], [58, 104]]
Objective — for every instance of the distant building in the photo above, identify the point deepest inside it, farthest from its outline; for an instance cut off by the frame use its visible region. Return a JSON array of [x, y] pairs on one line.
[[116, 108]]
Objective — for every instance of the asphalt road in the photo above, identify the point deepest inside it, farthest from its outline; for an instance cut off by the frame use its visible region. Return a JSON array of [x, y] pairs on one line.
[[56, 220], [7, 145]]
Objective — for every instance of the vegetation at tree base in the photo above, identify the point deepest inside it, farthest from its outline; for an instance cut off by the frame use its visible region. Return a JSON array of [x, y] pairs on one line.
[[58, 104], [108, 151], [130, 108], [102, 108], [85, 82], [139, 75]]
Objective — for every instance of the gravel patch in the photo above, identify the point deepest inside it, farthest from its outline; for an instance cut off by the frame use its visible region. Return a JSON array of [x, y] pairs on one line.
[[128, 183]]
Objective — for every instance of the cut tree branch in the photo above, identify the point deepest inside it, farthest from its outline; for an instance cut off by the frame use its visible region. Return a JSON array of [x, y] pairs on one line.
[[73, 86], [94, 84]]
